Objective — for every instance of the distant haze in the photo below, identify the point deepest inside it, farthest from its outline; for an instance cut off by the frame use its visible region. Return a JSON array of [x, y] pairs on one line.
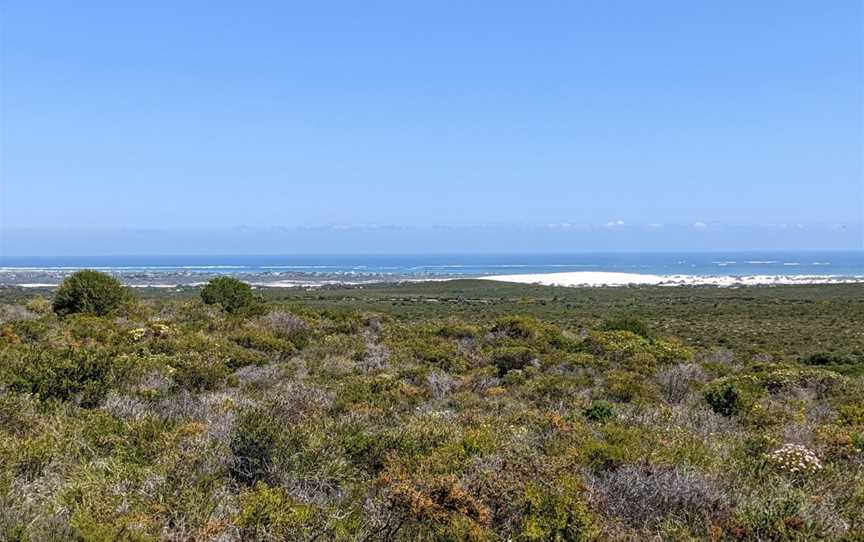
[[425, 240]]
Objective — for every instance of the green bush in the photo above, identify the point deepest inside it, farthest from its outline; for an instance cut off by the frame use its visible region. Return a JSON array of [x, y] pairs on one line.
[[256, 439], [602, 456], [69, 374], [232, 294], [517, 327], [616, 345], [438, 353], [89, 292], [366, 450], [626, 386], [198, 371], [269, 514], [457, 330], [558, 513], [627, 322], [845, 363], [725, 398], [513, 357], [670, 351], [600, 411], [264, 342]]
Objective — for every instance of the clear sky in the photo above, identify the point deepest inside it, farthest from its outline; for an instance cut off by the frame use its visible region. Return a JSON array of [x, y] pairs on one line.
[[208, 116]]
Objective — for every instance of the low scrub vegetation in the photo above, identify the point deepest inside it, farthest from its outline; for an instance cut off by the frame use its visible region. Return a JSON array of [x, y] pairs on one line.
[[361, 415]]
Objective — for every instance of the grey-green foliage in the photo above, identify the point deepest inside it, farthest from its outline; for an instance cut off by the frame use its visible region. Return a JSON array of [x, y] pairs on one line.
[[89, 292]]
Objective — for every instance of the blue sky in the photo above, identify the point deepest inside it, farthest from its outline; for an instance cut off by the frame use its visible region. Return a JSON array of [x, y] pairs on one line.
[[603, 116]]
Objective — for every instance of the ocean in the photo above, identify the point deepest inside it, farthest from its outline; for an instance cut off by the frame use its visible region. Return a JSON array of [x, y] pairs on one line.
[[310, 269]]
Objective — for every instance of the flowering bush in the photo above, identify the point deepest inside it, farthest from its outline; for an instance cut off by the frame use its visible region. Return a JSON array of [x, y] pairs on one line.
[[794, 459]]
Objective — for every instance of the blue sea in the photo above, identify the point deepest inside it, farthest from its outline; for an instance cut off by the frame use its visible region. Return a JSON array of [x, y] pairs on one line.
[[709, 264]]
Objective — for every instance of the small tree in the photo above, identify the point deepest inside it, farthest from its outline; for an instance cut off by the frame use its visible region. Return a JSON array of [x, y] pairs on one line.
[[229, 292], [89, 292]]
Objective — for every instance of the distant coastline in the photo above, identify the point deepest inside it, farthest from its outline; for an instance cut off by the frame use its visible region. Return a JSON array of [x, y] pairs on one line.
[[578, 269]]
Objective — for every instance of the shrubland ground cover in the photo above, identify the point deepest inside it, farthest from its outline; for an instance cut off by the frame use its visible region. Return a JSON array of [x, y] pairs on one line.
[[465, 410]]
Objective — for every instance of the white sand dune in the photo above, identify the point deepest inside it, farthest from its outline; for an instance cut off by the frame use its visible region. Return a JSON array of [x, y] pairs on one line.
[[594, 278]]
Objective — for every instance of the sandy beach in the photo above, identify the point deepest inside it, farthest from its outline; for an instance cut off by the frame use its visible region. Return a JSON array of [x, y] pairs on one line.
[[592, 278]]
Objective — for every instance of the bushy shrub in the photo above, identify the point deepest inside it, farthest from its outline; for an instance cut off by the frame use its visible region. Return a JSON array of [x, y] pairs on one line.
[[14, 313], [68, 374], [38, 305], [557, 513], [816, 379], [627, 322], [626, 386], [439, 354], [725, 398], [602, 456], [677, 381], [844, 363], [89, 292], [365, 449], [230, 293], [264, 342], [197, 371], [645, 495], [256, 439], [513, 357], [794, 459], [828, 358], [615, 344], [600, 411], [670, 351], [517, 327], [641, 362], [435, 501], [287, 326], [457, 330], [270, 515]]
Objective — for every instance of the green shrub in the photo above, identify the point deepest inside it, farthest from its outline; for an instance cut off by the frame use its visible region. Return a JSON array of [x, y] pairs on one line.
[[626, 386], [627, 322], [438, 353], [847, 363], [513, 357], [256, 439], [557, 513], [198, 371], [367, 450], [615, 344], [457, 330], [670, 351], [265, 342], [269, 514], [517, 327], [89, 292], [725, 398], [232, 294], [827, 358], [38, 305], [82, 375], [852, 414], [600, 411], [620, 445], [641, 362]]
